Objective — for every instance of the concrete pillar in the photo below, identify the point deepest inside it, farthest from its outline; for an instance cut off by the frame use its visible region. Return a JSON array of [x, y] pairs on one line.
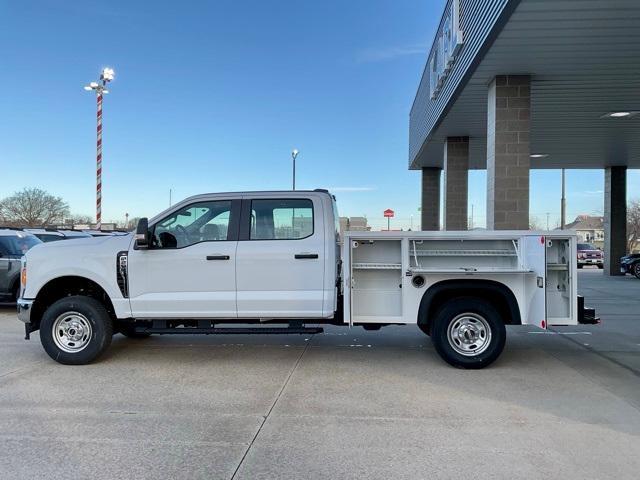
[[430, 208], [615, 218], [456, 183], [508, 161]]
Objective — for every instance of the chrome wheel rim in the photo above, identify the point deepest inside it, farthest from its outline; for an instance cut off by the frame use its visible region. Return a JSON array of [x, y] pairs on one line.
[[469, 334], [71, 332]]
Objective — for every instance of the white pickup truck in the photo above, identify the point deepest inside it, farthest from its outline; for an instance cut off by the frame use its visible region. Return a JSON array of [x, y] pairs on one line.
[[258, 259]]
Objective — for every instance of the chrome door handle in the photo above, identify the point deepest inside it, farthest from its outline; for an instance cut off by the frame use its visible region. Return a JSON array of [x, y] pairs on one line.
[[300, 256], [218, 257]]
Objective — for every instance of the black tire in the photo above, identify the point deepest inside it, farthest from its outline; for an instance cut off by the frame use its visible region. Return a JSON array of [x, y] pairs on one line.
[[15, 292], [600, 267], [96, 340], [472, 316], [128, 330], [424, 328], [580, 266], [371, 327], [636, 270]]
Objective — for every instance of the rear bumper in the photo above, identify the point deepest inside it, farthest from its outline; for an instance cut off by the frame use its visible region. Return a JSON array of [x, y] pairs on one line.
[[24, 310], [625, 268], [586, 315], [590, 261]]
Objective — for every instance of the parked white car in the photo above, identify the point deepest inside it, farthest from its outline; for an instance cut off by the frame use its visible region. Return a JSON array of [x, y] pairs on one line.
[[268, 258]]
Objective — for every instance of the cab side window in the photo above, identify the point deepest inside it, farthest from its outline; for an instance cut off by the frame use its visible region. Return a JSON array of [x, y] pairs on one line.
[[276, 219], [199, 222]]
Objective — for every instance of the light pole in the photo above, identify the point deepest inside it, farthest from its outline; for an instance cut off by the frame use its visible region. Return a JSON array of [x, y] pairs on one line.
[[294, 155], [100, 89]]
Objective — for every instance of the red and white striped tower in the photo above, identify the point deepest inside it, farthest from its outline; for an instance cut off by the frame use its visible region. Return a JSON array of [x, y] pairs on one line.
[[99, 165], [100, 89]]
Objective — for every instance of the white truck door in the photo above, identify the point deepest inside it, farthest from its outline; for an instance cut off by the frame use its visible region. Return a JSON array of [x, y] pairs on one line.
[[189, 270], [534, 257], [280, 258]]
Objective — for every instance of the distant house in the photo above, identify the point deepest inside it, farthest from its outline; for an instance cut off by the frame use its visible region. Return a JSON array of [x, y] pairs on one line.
[[590, 229]]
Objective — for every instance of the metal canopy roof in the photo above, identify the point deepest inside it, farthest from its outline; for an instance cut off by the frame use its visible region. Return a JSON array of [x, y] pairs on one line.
[[584, 59]]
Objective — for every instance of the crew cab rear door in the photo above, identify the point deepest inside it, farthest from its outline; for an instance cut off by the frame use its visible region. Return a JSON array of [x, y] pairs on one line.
[[280, 257]]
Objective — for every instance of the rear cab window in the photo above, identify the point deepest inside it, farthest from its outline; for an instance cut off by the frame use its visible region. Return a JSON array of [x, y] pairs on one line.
[[281, 219]]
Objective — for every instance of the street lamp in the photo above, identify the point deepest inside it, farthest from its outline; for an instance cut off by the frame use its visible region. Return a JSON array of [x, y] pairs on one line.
[[100, 89], [294, 155]]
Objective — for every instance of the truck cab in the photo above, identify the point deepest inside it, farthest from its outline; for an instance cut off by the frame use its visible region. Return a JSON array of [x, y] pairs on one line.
[[258, 255]]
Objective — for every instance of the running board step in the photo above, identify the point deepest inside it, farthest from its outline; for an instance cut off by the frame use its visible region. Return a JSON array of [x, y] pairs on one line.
[[232, 330]]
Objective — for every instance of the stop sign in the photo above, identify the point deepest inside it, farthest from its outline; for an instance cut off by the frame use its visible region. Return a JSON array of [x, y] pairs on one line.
[[388, 213]]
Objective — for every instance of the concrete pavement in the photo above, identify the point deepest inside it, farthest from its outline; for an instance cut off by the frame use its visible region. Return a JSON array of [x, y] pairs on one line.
[[346, 404]]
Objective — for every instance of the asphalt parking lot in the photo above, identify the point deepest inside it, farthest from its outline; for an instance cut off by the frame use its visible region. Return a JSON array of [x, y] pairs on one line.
[[345, 404]]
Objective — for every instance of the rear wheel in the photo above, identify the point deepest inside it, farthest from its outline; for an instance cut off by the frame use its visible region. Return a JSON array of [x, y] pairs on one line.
[[636, 270], [76, 330], [16, 292], [468, 332], [371, 327]]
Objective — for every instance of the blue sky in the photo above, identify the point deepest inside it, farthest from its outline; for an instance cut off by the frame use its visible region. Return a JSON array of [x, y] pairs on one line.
[[212, 96]]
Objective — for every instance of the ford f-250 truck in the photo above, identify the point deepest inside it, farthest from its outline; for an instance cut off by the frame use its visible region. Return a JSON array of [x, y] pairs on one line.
[[213, 262]]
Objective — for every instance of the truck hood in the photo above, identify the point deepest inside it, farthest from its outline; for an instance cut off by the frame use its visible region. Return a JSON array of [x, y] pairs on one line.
[[76, 248]]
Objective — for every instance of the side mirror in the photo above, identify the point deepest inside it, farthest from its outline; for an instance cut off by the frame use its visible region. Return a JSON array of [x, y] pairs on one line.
[[142, 234]]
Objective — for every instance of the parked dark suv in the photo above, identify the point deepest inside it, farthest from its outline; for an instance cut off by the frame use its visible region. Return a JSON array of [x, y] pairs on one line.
[[13, 245], [631, 264], [589, 255]]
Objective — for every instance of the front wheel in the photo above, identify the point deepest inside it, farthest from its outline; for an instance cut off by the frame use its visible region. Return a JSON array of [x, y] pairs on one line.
[[76, 330], [636, 270], [468, 333]]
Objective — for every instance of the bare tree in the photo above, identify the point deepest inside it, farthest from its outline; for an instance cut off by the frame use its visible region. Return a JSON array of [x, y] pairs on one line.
[[133, 223], [633, 224], [78, 219], [535, 223], [33, 207]]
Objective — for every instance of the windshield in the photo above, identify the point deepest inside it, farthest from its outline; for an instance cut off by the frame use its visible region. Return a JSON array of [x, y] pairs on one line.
[[586, 246], [18, 245]]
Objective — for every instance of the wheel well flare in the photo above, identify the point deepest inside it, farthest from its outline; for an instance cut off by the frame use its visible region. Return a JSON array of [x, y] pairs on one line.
[[498, 294], [66, 286]]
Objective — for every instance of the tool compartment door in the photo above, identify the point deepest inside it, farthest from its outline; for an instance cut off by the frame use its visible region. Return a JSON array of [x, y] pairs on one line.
[[534, 258]]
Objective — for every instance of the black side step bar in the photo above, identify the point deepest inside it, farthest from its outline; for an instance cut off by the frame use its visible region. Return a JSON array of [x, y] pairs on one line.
[[231, 330]]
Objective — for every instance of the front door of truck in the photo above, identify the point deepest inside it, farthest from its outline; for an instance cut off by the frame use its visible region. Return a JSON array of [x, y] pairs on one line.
[[189, 269], [281, 258]]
